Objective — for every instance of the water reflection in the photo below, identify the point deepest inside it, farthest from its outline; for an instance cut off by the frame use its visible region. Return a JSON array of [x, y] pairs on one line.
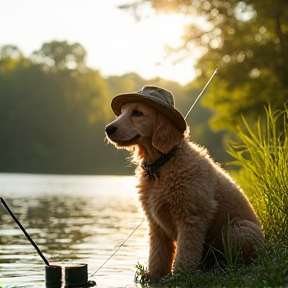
[[72, 219]]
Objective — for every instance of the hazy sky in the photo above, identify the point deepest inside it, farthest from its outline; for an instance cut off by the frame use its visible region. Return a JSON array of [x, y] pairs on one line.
[[116, 43]]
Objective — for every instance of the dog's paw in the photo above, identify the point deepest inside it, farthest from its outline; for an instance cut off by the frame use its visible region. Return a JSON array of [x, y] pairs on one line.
[[152, 278], [142, 274], [145, 278]]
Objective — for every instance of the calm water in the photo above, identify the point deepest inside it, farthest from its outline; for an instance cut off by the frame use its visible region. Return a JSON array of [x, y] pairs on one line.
[[73, 219]]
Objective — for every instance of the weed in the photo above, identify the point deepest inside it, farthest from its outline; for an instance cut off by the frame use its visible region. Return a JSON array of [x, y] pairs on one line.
[[232, 254], [141, 272]]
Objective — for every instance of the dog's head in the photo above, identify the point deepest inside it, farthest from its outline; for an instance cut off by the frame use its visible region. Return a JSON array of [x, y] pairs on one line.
[[141, 125]]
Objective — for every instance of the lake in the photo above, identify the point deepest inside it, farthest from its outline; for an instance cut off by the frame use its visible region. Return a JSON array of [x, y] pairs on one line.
[[72, 219]]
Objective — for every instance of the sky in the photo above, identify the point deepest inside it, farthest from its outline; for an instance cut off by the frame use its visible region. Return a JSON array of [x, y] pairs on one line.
[[115, 42]]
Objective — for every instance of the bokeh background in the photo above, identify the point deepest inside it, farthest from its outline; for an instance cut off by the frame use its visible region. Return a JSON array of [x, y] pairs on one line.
[[61, 63]]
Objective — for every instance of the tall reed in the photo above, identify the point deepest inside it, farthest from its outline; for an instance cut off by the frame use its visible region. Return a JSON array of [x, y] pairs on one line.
[[263, 150]]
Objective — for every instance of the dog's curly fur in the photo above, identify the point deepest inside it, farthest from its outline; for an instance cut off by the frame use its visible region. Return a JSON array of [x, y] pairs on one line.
[[188, 206]]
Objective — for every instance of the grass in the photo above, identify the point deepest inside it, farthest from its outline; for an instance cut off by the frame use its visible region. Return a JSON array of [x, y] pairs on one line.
[[270, 270], [262, 154]]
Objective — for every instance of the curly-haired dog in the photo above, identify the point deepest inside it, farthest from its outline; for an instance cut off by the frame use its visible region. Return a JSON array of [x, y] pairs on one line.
[[187, 198]]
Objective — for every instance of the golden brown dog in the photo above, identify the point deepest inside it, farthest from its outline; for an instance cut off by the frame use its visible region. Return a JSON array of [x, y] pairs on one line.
[[186, 197]]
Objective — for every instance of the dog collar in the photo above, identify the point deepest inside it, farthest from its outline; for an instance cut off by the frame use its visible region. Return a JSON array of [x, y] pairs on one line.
[[151, 169]]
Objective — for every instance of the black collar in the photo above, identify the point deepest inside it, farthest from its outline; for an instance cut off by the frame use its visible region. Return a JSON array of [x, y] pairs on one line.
[[151, 169]]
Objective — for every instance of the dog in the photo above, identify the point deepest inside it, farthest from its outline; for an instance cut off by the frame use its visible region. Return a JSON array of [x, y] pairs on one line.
[[190, 202]]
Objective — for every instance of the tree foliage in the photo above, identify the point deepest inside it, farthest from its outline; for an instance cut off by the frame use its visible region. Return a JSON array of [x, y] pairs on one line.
[[248, 41], [57, 56], [47, 115]]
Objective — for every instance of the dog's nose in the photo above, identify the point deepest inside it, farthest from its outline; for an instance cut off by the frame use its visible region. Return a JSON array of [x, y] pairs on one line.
[[110, 130]]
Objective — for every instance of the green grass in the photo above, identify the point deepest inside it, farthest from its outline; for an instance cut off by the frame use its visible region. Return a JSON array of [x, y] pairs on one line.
[[262, 153], [270, 270]]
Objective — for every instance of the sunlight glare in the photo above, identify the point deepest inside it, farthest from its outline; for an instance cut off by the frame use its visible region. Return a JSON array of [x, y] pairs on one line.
[[164, 31], [171, 28], [129, 182]]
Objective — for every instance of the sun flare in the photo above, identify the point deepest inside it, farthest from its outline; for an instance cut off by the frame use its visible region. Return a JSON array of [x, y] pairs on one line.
[[164, 31], [171, 27]]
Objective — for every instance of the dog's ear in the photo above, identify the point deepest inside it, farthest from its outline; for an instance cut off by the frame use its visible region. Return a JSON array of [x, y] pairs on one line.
[[165, 134]]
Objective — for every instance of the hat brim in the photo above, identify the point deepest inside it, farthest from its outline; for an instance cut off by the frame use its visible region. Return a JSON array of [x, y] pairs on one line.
[[173, 114]]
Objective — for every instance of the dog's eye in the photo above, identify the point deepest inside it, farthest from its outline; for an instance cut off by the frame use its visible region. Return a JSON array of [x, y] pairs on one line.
[[137, 113]]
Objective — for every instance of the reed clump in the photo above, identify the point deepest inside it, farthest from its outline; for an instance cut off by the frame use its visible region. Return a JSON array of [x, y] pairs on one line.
[[263, 154]]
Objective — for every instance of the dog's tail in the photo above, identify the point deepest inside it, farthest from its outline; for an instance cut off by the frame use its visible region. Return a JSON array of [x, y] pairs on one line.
[[249, 237]]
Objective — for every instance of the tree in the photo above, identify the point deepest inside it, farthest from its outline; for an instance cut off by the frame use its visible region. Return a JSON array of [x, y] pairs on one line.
[[49, 117], [60, 55], [10, 57], [248, 41]]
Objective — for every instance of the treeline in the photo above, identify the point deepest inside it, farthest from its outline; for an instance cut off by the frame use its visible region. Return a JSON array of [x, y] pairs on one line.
[[53, 111]]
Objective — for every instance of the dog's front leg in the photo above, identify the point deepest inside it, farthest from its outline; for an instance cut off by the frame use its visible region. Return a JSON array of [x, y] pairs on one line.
[[190, 240], [161, 254]]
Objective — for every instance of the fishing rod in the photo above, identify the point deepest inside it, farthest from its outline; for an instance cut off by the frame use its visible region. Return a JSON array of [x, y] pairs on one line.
[[75, 275], [24, 231], [216, 70], [51, 272]]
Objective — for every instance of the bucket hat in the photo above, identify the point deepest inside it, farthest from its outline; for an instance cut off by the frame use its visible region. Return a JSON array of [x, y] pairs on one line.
[[156, 97]]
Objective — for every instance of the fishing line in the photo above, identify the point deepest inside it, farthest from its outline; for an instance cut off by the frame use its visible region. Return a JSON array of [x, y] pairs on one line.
[[216, 70], [24, 231], [116, 250]]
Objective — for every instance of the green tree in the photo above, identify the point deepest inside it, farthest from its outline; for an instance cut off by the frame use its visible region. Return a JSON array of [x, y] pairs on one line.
[[248, 41], [51, 119], [10, 56], [60, 55]]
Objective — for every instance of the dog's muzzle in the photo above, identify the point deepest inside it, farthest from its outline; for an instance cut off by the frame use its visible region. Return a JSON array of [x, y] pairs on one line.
[[110, 130]]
